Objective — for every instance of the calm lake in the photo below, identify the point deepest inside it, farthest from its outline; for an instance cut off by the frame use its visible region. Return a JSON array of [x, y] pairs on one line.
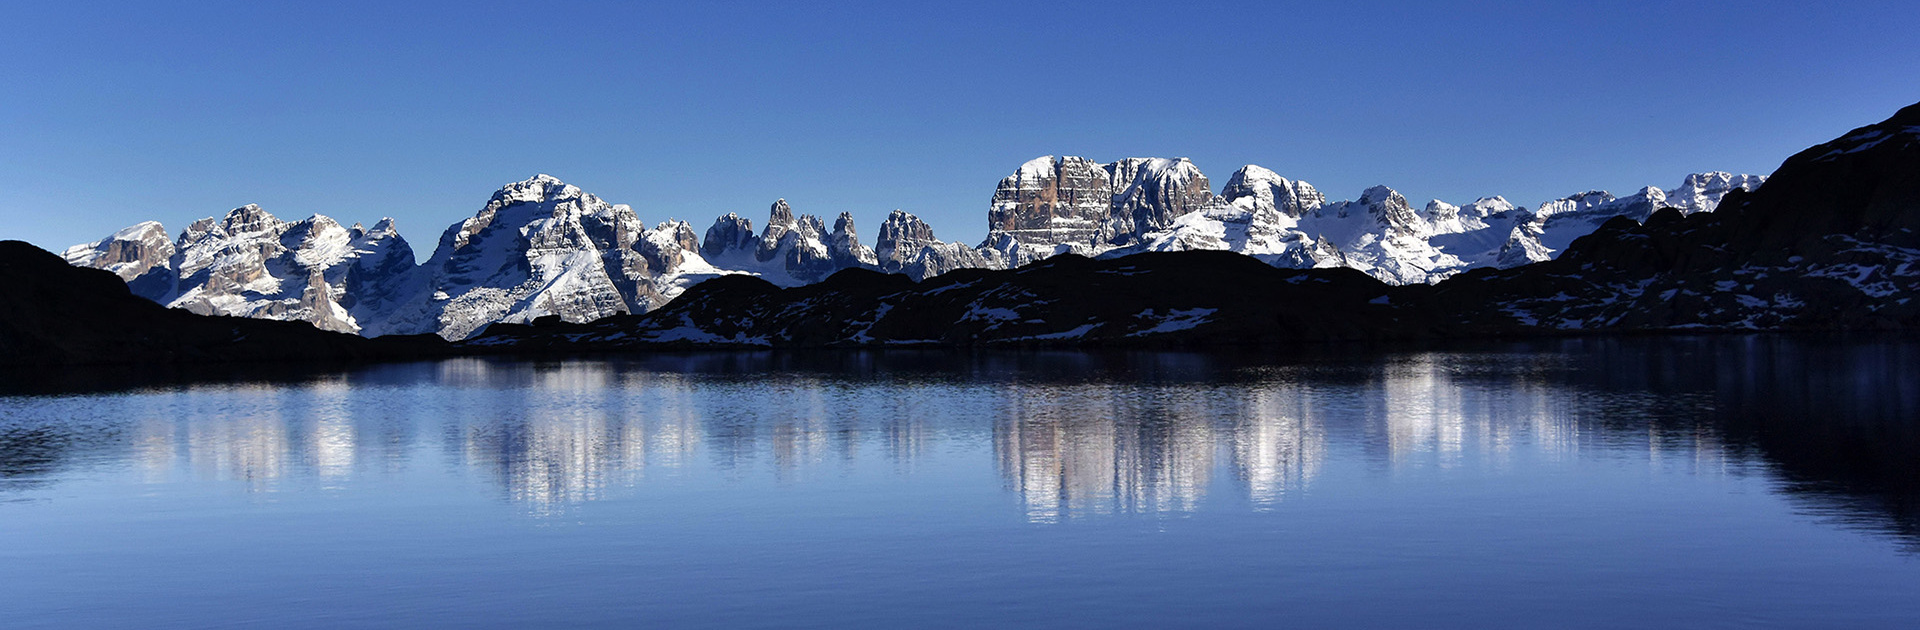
[[1678, 482]]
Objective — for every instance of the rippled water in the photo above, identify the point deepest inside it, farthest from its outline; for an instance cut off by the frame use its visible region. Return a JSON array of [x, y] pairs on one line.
[[1675, 482]]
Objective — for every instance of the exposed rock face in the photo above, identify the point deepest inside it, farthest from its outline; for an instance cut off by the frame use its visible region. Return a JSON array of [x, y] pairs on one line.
[[1253, 187], [381, 276], [807, 256], [1392, 212], [780, 221], [1052, 201], [1573, 203], [1523, 245], [542, 248], [1052, 206], [1382, 235], [844, 247], [906, 245], [791, 250], [252, 264], [668, 245], [141, 255], [902, 236], [539, 247], [1149, 193], [729, 233], [673, 262], [1701, 192]]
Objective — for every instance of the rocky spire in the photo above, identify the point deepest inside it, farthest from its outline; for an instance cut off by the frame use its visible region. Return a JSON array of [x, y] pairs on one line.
[[730, 233], [844, 247], [779, 221]]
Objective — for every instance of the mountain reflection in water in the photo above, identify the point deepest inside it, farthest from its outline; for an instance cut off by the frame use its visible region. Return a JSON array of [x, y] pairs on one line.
[[1072, 435]]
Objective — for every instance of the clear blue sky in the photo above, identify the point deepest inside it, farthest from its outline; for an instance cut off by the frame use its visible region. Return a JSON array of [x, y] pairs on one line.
[[114, 113]]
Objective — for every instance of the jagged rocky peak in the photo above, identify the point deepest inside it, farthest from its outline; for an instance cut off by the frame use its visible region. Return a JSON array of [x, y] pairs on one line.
[[249, 218], [1701, 192], [1642, 203], [1637, 206], [128, 253], [843, 227], [240, 222], [249, 263], [1523, 246], [779, 221], [1150, 193], [668, 245], [317, 236], [844, 247], [1489, 206], [537, 189], [810, 226], [792, 249], [382, 266], [573, 213], [1050, 201], [238, 244], [1573, 203], [1390, 209], [1255, 187], [539, 247], [906, 245], [384, 228], [901, 236], [730, 233]]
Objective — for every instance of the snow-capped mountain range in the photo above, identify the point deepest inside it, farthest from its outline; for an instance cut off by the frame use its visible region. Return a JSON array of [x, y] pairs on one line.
[[542, 247]]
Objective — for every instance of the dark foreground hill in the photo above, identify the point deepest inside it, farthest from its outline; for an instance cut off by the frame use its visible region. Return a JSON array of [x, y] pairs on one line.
[[1831, 242], [54, 313]]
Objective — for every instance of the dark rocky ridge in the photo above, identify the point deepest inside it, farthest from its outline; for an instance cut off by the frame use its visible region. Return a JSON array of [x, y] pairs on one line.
[[52, 313], [1831, 242], [1146, 300]]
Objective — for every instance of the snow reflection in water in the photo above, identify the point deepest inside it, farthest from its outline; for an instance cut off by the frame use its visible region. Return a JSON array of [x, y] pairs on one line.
[[550, 435]]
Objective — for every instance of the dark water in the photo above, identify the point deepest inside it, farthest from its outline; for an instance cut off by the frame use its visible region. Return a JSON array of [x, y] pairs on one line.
[[1731, 482]]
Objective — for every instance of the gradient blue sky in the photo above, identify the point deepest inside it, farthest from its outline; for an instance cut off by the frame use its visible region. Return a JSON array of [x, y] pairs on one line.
[[114, 113]]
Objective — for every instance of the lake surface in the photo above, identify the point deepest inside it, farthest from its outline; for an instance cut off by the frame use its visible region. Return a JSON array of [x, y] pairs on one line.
[[1680, 482]]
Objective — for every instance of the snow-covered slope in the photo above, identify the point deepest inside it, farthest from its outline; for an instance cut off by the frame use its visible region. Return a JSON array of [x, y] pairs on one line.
[[1289, 224]]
